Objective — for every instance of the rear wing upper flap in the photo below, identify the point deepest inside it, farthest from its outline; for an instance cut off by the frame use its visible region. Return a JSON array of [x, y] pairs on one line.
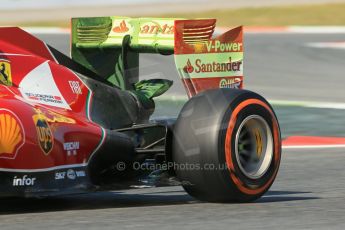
[[153, 35], [110, 46]]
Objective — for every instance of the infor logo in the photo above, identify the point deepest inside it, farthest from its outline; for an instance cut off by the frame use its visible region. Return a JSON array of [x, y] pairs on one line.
[[23, 181]]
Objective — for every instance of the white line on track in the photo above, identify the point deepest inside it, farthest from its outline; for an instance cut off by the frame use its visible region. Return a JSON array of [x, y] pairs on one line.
[[317, 29], [289, 30], [307, 104], [298, 30], [312, 146], [331, 45]]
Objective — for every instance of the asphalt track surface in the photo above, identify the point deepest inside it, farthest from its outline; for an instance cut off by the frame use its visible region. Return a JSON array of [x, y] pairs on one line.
[[309, 192]]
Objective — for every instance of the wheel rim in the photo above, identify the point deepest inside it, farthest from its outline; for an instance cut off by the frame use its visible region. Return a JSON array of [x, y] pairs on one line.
[[254, 146]]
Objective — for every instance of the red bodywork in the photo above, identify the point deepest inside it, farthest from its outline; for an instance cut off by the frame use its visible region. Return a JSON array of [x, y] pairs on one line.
[[44, 115]]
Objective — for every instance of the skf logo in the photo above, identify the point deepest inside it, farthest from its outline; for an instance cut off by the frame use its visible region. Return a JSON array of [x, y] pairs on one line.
[[11, 134], [70, 174], [230, 83], [44, 133], [24, 181], [188, 68], [122, 28], [5, 72]]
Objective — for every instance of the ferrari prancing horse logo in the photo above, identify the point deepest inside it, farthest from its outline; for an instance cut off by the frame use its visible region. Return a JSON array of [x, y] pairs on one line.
[[5, 72], [44, 133]]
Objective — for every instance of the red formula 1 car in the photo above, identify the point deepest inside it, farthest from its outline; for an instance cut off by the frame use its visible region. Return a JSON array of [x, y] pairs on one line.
[[72, 125]]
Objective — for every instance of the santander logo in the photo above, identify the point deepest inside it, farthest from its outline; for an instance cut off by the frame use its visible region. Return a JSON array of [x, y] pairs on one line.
[[122, 28], [207, 66], [188, 68], [154, 27]]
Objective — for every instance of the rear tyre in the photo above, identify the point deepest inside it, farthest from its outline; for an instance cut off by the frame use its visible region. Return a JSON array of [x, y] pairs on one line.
[[226, 146]]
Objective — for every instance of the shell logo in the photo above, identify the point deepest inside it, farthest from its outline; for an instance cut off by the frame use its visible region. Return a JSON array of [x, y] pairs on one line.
[[234, 83], [12, 136]]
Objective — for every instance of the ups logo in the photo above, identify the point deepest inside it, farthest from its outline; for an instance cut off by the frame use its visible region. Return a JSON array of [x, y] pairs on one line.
[[44, 133]]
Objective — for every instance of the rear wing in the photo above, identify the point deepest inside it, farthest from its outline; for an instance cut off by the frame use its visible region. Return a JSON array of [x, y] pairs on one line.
[[110, 47]]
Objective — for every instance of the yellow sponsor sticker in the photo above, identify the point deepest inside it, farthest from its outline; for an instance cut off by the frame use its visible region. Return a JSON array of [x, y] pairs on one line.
[[44, 133], [5, 72], [11, 134]]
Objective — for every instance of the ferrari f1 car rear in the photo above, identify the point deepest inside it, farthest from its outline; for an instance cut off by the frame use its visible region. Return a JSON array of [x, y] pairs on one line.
[[73, 125]]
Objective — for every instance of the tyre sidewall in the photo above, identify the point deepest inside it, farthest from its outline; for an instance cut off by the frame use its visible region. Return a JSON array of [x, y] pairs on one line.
[[234, 175]]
